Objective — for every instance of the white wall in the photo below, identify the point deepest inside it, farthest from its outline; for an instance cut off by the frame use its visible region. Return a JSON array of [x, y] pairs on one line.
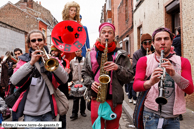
[[10, 39]]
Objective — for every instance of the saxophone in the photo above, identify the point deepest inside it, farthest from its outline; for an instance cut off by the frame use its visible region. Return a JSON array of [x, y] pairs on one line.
[[104, 77]]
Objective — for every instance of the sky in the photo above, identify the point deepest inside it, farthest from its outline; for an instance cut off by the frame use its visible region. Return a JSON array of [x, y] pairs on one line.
[[89, 9]]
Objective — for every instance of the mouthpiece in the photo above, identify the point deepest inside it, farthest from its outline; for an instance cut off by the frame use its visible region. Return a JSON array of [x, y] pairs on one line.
[[106, 40]]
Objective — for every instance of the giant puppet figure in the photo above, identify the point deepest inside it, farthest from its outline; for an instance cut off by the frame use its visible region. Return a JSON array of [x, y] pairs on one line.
[[71, 12]]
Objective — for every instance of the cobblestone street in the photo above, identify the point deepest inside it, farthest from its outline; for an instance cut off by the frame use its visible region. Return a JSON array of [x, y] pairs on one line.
[[190, 101]]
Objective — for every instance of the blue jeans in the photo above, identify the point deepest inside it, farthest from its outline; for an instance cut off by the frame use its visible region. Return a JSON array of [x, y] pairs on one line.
[[132, 93], [44, 117], [126, 88], [150, 121], [14, 117]]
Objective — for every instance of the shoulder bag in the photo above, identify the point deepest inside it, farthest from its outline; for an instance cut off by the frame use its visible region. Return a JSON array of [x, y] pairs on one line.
[[61, 99]]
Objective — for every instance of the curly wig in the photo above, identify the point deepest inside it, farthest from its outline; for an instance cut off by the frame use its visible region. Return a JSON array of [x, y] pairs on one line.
[[65, 12]]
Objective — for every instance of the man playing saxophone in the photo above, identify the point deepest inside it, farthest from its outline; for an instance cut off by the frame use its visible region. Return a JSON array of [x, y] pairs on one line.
[[178, 80], [118, 67]]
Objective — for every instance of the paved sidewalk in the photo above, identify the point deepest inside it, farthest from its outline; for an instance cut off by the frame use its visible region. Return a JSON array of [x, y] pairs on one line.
[[188, 117]]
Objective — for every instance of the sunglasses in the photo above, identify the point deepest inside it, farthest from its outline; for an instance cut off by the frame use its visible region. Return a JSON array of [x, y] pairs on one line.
[[34, 40], [148, 41]]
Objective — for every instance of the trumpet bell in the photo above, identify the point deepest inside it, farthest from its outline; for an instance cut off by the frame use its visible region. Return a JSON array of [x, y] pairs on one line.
[[51, 64]]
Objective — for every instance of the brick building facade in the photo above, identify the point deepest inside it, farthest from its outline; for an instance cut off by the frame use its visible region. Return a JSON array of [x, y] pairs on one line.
[[125, 26], [28, 15], [119, 13]]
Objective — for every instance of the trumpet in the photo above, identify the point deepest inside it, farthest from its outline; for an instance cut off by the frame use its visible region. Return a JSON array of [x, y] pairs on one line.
[[9, 57], [161, 100], [51, 64]]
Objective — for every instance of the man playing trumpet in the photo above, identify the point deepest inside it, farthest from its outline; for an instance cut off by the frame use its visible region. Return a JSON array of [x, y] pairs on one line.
[[178, 80], [37, 104]]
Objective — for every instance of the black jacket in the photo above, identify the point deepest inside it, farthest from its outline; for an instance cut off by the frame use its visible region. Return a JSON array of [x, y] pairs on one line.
[[177, 45], [138, 54]]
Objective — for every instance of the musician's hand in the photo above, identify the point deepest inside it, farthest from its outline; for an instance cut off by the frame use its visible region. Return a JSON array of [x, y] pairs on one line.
[[150, 52], [35, 56], [50, 56], [67, 70], [95, 86], [88, 49], [110, 65], [14, 66], [45, 57], [169, 67], [155, 77]]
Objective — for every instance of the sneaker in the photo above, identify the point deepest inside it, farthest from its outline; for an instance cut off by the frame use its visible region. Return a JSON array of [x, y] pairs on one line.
[[127, 93], [134, 102], [130, 100]]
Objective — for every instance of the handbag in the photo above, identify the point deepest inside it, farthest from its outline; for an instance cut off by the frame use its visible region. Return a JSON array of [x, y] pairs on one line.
[[62, 102], [11, 99], [61, 99]]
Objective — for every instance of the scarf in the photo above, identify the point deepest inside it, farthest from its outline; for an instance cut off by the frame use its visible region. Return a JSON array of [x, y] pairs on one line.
[[100, 47], [105, 112]]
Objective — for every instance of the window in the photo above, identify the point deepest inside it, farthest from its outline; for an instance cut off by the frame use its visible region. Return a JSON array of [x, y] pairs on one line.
[[108, 5], [126, 10], [44, 32], [127, 44], [173, 11], [121, 44], [176, 21], [139, 34]]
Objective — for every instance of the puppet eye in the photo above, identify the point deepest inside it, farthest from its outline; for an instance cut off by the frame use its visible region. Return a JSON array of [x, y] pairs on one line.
[[113, 116]]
